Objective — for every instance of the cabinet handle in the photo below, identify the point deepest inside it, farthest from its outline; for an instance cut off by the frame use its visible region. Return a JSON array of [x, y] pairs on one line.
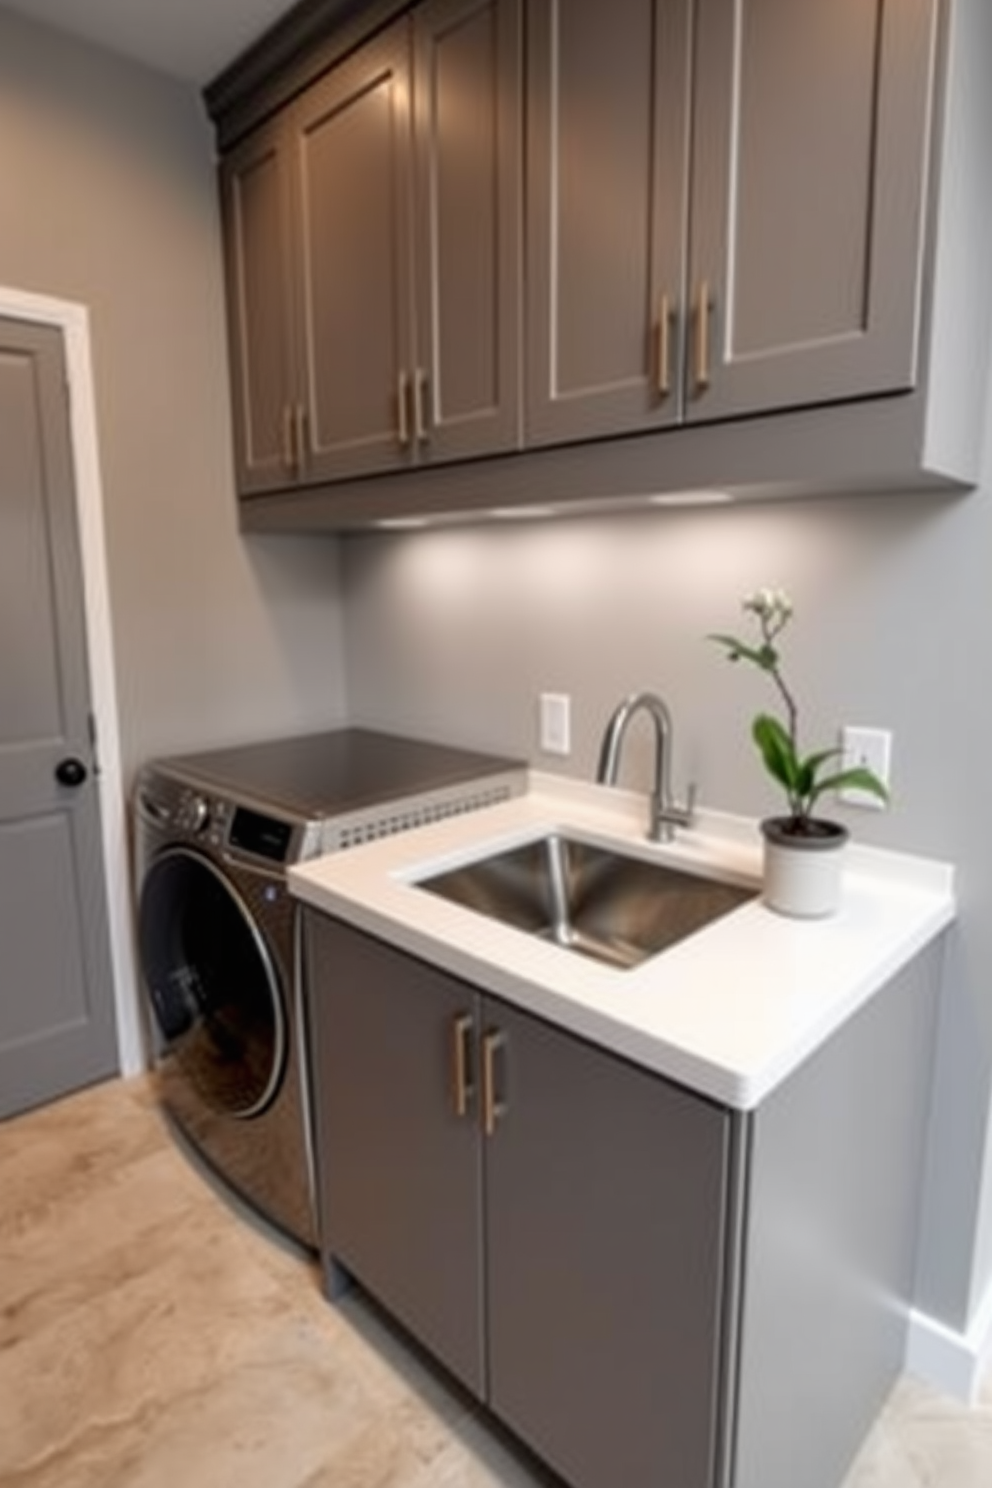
[[703, 307], [402, 408], [289, 439], [300, 435], [421, 415], [664, 347], [464, 1088], [492, 1108]]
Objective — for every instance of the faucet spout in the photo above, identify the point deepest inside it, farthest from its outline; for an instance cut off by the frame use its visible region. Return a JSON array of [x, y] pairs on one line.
[[666, 815]]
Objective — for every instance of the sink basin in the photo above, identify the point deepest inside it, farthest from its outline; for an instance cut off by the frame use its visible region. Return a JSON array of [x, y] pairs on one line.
[[608, 905]]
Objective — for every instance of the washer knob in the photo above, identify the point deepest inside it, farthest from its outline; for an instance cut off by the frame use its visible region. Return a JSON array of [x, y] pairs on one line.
[[197, 814]]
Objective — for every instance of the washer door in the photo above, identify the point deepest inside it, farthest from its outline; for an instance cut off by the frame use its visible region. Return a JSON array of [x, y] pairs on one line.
[[213, 988]]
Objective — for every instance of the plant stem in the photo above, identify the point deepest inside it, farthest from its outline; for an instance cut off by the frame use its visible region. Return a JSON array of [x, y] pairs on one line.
[[769, 631]]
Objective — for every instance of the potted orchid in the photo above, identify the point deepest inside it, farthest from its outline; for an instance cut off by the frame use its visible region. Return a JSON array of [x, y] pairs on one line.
[[802, 848]]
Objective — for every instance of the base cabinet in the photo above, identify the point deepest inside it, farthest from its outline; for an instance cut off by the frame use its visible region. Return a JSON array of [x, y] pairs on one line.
[[648, 1289], [546, 1218]]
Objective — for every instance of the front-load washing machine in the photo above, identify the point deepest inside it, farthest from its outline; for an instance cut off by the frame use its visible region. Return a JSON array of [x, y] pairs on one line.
[[218, 931]]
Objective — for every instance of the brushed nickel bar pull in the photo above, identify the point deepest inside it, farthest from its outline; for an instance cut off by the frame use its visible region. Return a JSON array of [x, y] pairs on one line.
[[300, 435], [421, 417], [703, 336], [664, 347], [289, 439], [464, 1089], [402, 408], [492, 1108]]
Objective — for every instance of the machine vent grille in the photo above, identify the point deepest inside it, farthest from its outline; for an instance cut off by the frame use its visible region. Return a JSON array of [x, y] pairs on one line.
[[355, 830]]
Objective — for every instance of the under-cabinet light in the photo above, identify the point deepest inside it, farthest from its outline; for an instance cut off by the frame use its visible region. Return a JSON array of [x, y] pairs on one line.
[[690, 498], [522, 513]]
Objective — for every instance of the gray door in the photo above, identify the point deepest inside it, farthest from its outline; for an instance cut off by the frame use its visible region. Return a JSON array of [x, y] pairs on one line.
[[468, 112], [605, 1220], [57, 1028], [805, 260], [261, 310], [353, 211], [397, 1150], [607, 96]]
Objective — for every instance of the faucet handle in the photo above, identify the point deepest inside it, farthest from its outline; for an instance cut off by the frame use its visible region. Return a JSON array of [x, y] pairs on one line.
[[671, 814]]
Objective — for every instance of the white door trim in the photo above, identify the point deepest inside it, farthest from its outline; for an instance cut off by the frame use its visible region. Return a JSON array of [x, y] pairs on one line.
[[73, 321]]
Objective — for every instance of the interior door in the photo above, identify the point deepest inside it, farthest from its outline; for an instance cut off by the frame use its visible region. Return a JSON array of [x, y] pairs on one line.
[[57, 1026]]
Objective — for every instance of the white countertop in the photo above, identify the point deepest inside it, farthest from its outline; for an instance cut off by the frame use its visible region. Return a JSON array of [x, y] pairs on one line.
[[729, 1011]]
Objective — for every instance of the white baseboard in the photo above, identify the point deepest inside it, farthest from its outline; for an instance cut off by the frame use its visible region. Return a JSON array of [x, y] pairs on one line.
[[953, 1362]]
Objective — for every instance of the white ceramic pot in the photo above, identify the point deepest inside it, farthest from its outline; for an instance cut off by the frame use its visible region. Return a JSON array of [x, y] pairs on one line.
[[803, 873]]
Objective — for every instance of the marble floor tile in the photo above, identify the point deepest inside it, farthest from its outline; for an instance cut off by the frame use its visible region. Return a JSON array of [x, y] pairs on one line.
[[152, 1335]]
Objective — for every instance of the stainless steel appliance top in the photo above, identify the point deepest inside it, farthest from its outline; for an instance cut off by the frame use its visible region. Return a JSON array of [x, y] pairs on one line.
[[329, 791]]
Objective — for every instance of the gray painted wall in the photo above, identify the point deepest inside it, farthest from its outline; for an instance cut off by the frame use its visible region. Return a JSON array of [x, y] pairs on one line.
[[456, 632], [107, 197]]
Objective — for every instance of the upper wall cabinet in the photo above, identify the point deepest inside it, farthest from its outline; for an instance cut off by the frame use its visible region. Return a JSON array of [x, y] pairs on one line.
[[371, 232], [751, 256], [724, 207]]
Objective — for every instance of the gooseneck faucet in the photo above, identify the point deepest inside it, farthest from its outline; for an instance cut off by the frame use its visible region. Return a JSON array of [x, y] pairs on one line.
[[666, 815]]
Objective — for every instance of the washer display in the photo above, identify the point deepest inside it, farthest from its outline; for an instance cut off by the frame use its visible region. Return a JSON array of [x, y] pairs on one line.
[[218, 929]]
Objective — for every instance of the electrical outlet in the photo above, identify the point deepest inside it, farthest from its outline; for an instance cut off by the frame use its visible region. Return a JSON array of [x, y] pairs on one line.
[[870, 748], [556, 723]]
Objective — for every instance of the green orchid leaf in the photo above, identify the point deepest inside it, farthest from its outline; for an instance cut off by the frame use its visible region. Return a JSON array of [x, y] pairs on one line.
[[776, 750], [809, 768], [857, 778], [764, 656]]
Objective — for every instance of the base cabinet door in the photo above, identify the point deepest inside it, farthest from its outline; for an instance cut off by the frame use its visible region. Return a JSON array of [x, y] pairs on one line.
[[604, 1260], [397, 1157]]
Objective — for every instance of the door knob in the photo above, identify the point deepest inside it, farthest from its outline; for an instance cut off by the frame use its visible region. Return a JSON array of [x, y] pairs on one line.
[[70, 771]]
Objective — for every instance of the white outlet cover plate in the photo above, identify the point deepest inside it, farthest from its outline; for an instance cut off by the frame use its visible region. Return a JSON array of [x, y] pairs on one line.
[[872, 748], [556, 723]]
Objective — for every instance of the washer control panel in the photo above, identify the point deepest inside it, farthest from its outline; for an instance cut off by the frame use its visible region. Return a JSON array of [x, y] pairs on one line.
[[187, 813]]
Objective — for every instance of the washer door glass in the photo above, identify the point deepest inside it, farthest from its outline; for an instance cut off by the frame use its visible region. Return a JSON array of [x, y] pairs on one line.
[[213, 988]]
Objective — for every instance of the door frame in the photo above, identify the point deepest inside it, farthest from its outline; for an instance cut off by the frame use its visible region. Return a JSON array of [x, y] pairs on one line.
[[72, 320]]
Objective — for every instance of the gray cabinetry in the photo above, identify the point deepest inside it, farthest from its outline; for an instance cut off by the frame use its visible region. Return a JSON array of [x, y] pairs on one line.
[[605, 1204], [585, 1308], [810, 133], [372, 236], [468, 115], [399, 1191], [259, 265], [725, 207], [753, 256]]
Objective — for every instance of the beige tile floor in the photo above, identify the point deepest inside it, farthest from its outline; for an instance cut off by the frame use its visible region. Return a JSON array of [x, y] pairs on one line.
[[152, 1337]]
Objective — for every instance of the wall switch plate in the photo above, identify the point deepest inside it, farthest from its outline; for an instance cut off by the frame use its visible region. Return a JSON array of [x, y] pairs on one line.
[[556, 723], [870, 748]]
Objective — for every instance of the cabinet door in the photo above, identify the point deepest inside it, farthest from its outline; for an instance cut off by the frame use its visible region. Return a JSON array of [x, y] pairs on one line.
[[605, 1239], [607, 120], [810, 128], [398, 1167], [258, 247], [353, 152], [468, 109]]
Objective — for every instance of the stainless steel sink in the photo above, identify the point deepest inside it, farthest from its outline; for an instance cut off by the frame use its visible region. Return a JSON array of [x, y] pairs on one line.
[[613, 907]]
